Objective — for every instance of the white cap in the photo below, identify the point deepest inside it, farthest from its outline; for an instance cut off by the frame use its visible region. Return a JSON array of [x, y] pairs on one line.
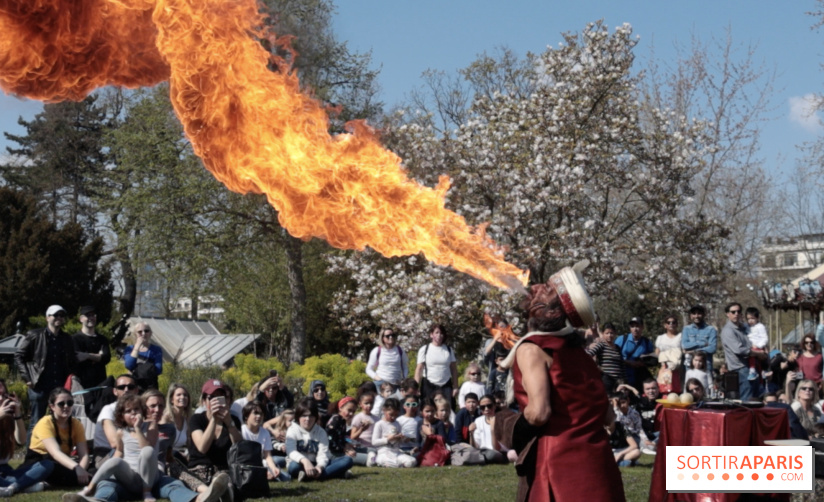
[[54, 309]]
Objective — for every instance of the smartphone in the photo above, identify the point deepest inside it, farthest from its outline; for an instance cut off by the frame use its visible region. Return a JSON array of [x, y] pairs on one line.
[[273, 373], [221, 400]]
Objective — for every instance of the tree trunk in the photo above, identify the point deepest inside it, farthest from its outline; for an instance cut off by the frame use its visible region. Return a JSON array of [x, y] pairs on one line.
[[297, 289], [127, 300], [195, 303]]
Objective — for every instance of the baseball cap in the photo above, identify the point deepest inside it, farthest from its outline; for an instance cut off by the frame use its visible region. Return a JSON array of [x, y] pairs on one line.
[[86, 310], [54, 309], [211, 386], [636, 320]]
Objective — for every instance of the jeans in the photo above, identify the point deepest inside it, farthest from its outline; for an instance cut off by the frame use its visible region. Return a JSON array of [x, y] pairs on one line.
[[26, 475], [745, 387], [38, 403], [121, 471], [165, 488], [336, 468]]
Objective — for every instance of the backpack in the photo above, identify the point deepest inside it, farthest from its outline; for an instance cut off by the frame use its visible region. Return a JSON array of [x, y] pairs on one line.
[[145, 374], [433, 452], [246, 470]]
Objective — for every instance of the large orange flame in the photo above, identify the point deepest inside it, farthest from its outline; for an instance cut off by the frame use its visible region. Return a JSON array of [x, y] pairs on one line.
[[253, 128]]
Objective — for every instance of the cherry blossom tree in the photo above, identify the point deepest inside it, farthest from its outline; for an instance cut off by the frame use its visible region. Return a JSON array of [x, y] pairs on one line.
[[574, 167]]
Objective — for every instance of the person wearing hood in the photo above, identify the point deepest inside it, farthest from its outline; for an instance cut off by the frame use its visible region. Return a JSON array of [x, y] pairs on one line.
[[321, 398]]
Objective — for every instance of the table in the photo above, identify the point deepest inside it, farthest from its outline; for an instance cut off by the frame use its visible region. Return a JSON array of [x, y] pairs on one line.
[[713, 427]]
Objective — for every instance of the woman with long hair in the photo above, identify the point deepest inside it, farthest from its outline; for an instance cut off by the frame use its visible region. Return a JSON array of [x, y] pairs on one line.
[[28, 478], [55, 437], [178, 411], [804, 406], [810, 361]]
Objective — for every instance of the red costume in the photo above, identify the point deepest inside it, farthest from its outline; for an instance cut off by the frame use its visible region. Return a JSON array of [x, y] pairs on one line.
[[573, 459]]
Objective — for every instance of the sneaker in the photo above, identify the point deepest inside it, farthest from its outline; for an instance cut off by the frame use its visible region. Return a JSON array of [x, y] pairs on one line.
[[7, 491], [37, 487], [753, 375], [301, 476], [370, 459], [347, 475], [648, 450], [215, 490]]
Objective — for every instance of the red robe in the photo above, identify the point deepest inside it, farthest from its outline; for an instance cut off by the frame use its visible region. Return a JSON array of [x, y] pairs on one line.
[[573, 460]]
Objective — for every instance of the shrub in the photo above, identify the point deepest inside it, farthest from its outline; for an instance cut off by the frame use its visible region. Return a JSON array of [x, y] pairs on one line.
[[341, 376], [248, 370]]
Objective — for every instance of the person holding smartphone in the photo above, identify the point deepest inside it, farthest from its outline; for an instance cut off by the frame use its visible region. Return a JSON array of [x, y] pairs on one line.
[[274, 396], [211, 434], [27, 478]]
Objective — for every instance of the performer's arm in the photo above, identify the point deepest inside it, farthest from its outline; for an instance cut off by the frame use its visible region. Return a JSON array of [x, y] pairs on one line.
[[535, 364]]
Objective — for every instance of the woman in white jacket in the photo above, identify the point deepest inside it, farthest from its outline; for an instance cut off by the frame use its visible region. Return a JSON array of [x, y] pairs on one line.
[[387, 362], [307, 447]]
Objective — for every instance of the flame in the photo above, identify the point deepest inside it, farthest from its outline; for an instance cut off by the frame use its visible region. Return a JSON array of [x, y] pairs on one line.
[[252, 127]]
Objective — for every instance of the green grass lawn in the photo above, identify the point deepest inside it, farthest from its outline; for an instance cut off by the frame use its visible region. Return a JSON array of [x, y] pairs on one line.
[[488, 483]]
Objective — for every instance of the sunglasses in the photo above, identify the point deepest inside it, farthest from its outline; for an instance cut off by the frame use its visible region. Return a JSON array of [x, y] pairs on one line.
[[808, 388], [128, 386], [735, 311], [411, 405], [487, 406], [59, 315], [474, 374], [390, 335], [319, 389], [65, 404], [671, 323]]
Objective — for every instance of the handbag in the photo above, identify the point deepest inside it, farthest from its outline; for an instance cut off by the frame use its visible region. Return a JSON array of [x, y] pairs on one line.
[[434, 452]]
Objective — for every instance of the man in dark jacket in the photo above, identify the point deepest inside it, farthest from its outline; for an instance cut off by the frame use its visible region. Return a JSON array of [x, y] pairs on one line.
[[92, 349], [45, 359]]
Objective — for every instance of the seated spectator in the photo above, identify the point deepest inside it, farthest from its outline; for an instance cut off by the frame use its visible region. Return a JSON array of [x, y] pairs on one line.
[[410, 425], [341, 415], [624, 447], [482, 432], [699, 369], [277, 428], [253, 430], [466, 417], [274, 397], [645, 405], [628, 416], [238, 404], [440, 398], [144, 359], [54, 438], [27, 478], [365, 387], [608, 357], [442, 412], [321, 397], [430, 424], [472, 383], [363, 425], [811, 362], [178, 412], [409, 386], [307, 447], [804, 407], [105, 432], [134, 464], [695, 388], [212, 433], [387, 390], [498, 375], [387, 438]]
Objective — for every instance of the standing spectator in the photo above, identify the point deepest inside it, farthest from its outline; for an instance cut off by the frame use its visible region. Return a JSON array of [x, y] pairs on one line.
[[91, 349], [274, 397], [608, 357], [498, 375], [633, 346], [437, 367], [472, 383], [810, 361], [780, 367], [387, 362], [737, 350], [45, 359], [699, 336], [668, 350], [143, 359]]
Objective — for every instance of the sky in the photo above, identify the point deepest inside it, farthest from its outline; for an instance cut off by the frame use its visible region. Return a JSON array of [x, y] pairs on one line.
[[406, 38]]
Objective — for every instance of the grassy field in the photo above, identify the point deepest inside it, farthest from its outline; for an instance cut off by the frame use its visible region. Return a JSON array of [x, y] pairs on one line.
[[488, 483]]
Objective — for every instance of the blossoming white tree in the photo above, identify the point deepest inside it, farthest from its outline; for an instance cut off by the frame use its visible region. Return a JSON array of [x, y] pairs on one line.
[[575, 168]]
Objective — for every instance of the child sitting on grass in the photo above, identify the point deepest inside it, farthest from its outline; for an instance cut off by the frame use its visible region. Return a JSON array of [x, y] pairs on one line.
[[251, 430], [410, 425], [387, 438], [363, 424], [277, 428]]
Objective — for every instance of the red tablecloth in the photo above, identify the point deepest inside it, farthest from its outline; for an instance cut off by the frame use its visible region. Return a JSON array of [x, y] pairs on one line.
[[705, 427]]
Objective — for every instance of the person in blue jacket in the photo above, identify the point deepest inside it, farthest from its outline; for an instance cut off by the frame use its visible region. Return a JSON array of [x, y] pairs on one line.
[[143, 359], [699, 336], [633, 345]]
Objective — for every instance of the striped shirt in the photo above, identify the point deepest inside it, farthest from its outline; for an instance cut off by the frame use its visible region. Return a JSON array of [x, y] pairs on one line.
[[608, 357]]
